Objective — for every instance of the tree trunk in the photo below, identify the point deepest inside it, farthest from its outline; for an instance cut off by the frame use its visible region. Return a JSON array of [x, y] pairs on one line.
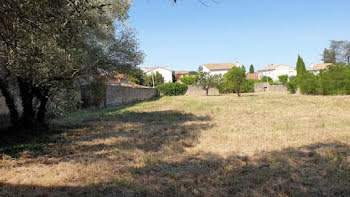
[[10, 102], [42, 95], [239, 93], [207, 91], [26, 93]]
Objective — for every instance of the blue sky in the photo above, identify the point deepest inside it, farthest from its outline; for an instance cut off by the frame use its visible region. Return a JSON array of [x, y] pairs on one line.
[[259, 32]]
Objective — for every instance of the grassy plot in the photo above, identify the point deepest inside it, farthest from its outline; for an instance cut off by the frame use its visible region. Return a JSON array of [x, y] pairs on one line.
[[258, 145]]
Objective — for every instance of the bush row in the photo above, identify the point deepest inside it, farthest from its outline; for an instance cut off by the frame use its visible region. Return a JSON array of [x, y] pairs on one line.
[[172, 89], [333, 81]]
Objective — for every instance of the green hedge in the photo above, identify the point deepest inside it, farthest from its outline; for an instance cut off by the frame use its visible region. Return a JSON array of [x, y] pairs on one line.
[[172, 89]]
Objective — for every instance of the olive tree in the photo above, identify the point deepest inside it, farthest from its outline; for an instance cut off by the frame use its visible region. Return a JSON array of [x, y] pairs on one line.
[[44, 44]]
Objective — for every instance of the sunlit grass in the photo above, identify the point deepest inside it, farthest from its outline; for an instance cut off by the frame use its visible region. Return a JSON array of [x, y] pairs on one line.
[[264, 144]]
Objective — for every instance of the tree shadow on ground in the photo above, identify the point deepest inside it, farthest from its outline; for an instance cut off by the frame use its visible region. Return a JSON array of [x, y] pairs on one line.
[[312, 170], [147, 131]]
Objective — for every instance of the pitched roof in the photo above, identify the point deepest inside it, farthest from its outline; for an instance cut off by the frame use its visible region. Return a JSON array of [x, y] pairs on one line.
[[252, 76], [219, 66], [273, 67], [181, 72], [319, 66], [148, 69]]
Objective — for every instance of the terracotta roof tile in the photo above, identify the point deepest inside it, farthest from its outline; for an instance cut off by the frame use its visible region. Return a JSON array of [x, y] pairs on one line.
[[319, 66], [252, 76], [273, 67], [219, 66]]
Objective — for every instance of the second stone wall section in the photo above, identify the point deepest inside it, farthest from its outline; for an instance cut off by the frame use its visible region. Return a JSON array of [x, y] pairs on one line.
[[116, 95], [266, 87]]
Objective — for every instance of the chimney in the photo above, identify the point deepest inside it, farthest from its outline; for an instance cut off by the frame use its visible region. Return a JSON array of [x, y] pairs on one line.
[[237, 63]]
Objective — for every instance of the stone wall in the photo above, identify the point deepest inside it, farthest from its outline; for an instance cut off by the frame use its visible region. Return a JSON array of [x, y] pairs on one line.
[[266, 87], [194, 90], [116, 95]]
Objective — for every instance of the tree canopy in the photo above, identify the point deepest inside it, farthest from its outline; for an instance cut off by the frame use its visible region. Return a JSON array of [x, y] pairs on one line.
[[207, 81], [236, 78], [46, 44]]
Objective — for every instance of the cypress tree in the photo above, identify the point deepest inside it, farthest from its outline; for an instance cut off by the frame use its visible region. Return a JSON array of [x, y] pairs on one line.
[[251, 69], [300, 66]]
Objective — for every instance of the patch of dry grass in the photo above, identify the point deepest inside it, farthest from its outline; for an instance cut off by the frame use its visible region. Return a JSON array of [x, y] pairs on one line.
[[264, 144]]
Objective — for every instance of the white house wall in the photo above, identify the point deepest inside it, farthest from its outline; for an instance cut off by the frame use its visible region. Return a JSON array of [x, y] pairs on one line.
[[216, 72], [274, 74], [167, 74]]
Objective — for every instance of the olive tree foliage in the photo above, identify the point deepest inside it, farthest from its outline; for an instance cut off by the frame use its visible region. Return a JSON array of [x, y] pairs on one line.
[[338, 52], [52, 44], [207, 81]]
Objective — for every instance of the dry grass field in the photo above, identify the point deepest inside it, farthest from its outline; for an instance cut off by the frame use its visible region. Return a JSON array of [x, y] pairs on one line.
[[262, 144]]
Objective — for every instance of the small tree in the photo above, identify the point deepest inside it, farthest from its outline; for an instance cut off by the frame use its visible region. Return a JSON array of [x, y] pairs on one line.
[[283, 79], [236, 77], [154, 79], [206, 81], [251, 69]]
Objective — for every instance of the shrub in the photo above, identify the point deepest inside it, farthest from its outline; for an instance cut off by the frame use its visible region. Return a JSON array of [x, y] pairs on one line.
[[172, 89], [283, 79], [308, 83], [188, 80], [292, 85], [248, 86], [223, 86], [274, 83], [266, 79]]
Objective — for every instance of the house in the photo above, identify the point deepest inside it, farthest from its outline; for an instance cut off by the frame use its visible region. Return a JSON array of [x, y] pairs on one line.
[[218, 68], [180, 74], [274, 71], [164, 71], [252, 76], [316, 68]]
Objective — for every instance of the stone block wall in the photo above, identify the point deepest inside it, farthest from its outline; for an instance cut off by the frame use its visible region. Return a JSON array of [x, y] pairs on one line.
[[266, 87], [116, 95]]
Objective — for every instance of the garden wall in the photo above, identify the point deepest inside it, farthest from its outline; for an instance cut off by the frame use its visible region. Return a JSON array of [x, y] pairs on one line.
[[194, 90], [266, 87], [116, 95]]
